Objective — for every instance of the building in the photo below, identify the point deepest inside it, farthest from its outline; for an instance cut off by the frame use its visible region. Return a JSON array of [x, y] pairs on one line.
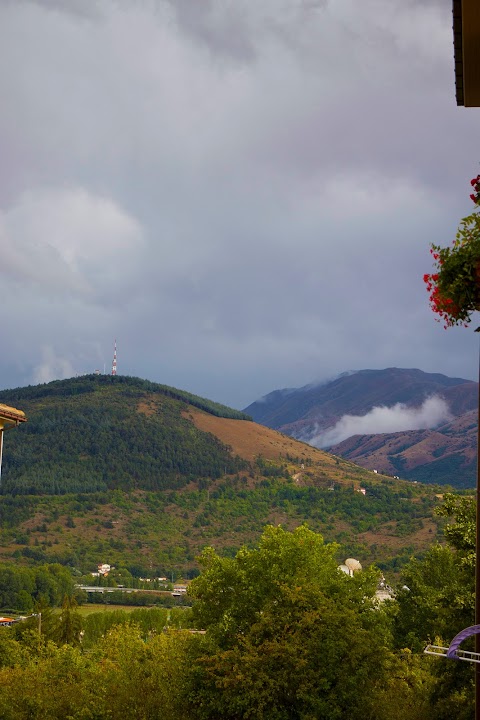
[[179, 590], [9, 417], [6, 621], [466, 44]]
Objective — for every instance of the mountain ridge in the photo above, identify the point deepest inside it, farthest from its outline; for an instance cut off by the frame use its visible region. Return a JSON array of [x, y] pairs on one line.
[[308, 412]]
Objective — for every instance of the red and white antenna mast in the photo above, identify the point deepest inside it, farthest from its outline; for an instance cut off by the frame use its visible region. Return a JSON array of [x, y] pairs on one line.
[[114, 363]]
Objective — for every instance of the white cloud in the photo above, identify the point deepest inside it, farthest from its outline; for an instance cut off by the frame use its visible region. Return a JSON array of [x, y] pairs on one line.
[[382, 419], [51, 367]]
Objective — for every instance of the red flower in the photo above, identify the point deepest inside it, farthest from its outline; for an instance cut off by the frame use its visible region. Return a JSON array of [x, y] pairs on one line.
[[454, 289]]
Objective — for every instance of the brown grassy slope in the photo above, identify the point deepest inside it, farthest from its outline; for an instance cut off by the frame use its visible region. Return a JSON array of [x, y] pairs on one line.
[[250, 441]]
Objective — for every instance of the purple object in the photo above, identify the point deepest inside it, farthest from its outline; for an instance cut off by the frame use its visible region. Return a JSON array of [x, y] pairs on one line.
[[459, 638]]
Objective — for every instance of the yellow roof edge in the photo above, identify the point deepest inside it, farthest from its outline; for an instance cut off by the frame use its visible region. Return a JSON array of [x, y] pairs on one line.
[[11, 413]]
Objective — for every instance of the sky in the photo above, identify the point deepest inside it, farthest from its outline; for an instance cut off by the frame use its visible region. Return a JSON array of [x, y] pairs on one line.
[[241, 193]]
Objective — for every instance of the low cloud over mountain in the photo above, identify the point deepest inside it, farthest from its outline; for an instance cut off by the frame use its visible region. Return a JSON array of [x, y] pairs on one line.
[[397, 418], [405, 422]]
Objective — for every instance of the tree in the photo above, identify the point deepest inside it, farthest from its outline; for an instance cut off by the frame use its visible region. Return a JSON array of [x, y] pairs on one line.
[[59, 683], [24, 601], [69, 626], [41, 624], [437, 598], [310, 656], [292, 636], [145, 680], [11, 651], [232, 592], [460, 534], [437, 601]]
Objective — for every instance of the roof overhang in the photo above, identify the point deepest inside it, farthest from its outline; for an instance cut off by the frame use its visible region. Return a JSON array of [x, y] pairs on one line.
[[10, 416], [466, 43]]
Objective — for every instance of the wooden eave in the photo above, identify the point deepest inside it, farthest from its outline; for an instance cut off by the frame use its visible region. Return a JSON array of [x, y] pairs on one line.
[[466, 47], [10, 416]]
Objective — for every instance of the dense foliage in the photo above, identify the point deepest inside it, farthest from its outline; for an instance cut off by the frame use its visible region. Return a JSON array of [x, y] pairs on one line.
[[277, 615], [285, 636], [162, 532], [21, 587], [436, 601], [102, 432], [93, 383]]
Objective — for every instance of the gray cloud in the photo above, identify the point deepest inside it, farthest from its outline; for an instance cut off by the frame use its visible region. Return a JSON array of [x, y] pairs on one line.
[[77, 8], [242, 193], [68, 240], [51, 367], [223, 28]]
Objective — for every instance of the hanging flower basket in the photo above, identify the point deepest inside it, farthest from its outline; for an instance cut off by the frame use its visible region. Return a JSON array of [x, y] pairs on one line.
[[454, 287]]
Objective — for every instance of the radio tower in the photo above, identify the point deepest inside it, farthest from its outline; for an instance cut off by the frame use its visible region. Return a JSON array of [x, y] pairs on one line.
[[114, 363]]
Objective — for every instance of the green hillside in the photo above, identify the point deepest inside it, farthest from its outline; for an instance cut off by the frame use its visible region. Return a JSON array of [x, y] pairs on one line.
[[142, 476], [104, 432]]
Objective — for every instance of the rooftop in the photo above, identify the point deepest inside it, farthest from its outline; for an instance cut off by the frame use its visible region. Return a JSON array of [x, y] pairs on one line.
[[466, 46], [10, 416]]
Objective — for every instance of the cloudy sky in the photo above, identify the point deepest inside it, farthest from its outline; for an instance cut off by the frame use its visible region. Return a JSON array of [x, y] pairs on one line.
[[242, 193]]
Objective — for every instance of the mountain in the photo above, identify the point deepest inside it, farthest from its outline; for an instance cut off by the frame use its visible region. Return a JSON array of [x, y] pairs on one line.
[[445, 454], [104, 432], [135, 474]]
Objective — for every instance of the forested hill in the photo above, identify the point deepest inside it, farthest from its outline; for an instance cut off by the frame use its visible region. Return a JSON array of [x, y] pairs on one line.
[[94, 383], [124, 471], [99, 432]]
